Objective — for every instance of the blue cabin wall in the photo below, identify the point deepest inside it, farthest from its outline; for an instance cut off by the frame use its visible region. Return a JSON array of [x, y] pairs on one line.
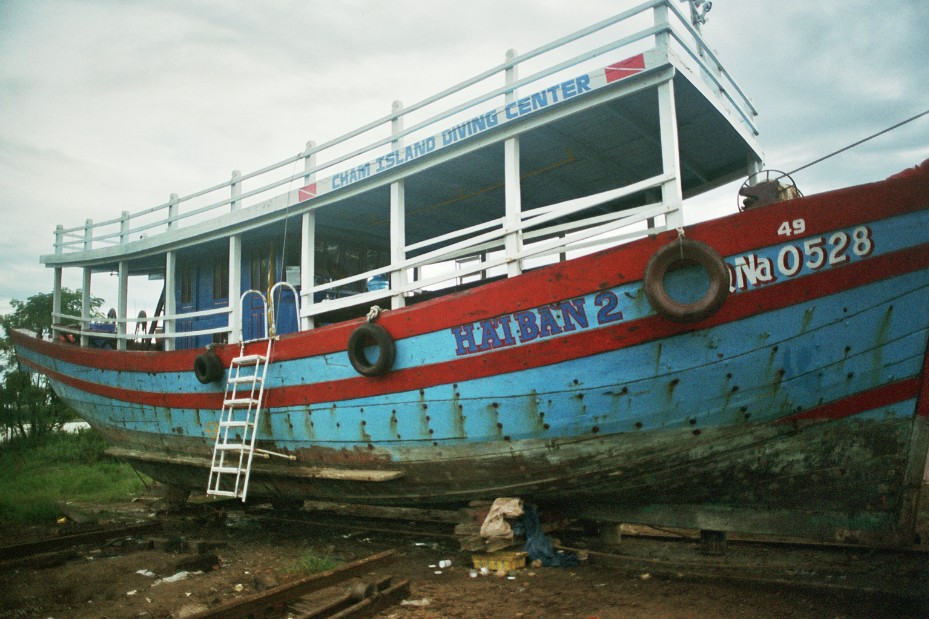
[[200, 277], [262, 267], [202, 283]]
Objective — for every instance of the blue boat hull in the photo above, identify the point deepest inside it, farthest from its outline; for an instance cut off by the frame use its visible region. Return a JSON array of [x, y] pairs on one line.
[[799, 408]]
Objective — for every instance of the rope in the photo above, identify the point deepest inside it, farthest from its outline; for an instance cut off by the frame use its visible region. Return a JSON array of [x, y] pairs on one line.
[[859, 142]]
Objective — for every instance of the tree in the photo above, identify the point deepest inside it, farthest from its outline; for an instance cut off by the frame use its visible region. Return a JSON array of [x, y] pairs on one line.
[[35, 314], [26, 400]]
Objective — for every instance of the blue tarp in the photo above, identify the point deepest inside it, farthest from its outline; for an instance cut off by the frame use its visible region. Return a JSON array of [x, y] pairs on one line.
[[538, 545]]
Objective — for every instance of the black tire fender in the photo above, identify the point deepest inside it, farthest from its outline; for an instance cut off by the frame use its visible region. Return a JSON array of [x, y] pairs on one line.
[[686, 250], [208, 367], [366, 335]]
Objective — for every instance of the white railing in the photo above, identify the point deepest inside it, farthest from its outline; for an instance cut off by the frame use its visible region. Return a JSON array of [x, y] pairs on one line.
[[339, 153], [93, 327], [488, 237]]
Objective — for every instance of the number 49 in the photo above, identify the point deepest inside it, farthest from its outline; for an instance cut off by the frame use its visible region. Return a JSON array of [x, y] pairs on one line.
[[788, 228]]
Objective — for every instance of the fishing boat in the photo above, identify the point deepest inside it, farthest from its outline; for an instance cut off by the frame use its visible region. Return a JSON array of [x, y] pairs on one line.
[[496, 294]]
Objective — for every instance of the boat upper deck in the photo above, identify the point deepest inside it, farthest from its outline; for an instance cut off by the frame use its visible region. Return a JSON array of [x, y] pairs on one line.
[[569, 145], [588, 121]]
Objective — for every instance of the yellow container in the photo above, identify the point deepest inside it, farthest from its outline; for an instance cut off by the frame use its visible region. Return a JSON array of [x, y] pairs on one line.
[[494, 561]]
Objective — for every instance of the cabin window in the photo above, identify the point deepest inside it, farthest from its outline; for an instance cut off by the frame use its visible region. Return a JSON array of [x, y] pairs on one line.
[[221, 279], [187, 283]]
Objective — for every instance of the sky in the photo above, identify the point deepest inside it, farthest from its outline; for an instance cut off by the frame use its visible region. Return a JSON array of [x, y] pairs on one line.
[[112, 105]]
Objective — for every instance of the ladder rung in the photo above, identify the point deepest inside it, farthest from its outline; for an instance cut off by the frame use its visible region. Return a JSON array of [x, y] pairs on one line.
[[222, 492], [225, 469], [248, 359], [234, 424], [238, 402], [238, 380]]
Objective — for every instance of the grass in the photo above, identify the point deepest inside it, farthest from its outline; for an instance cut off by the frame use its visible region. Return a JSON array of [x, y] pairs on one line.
[[36, 475], [310, 563]]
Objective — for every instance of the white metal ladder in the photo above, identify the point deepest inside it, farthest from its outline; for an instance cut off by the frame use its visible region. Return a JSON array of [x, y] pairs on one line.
[[243, 399], [235, 436]]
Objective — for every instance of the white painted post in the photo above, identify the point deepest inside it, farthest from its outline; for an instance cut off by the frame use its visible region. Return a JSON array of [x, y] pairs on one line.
[[309, 163], [308, 241], [85, 306], [59, 239], [122, 293], [122, 305], [236, 190], [170, 304], [85, 285], [235, 288], [56, 301], [671, 193], [88, 234], [234, 316], [124, 227], [512, 193], [307, 266], [172, 211], [398, 278]]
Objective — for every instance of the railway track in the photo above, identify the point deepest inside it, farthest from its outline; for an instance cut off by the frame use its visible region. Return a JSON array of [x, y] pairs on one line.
[[53, 550], [361, 595], [296, 599], [897, 572], [903, 574]]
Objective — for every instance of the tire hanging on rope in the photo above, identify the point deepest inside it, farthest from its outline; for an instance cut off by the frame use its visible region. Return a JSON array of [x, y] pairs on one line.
[[366, 335], [684, 250], [208, 367]]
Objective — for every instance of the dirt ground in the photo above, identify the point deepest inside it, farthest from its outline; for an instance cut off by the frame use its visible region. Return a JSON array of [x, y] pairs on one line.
[[253, 554]]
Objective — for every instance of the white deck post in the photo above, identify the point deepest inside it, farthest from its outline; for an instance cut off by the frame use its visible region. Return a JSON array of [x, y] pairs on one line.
[[308, 241], [512, 194], [122, 305], [85, 285], [235, 265], [85, 307], [56, 301], [398, 279], [122, 294], [88, 234], [307, 266], [170, 305], [235, 190], [235, 287], [124, 227], [671, 193], [172, 211]]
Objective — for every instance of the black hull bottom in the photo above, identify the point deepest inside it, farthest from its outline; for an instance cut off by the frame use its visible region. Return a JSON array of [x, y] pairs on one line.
[[846, 480]]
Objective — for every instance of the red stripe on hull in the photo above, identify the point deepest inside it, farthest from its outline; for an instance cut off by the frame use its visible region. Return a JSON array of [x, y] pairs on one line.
[[213, 400], [885, 395]]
